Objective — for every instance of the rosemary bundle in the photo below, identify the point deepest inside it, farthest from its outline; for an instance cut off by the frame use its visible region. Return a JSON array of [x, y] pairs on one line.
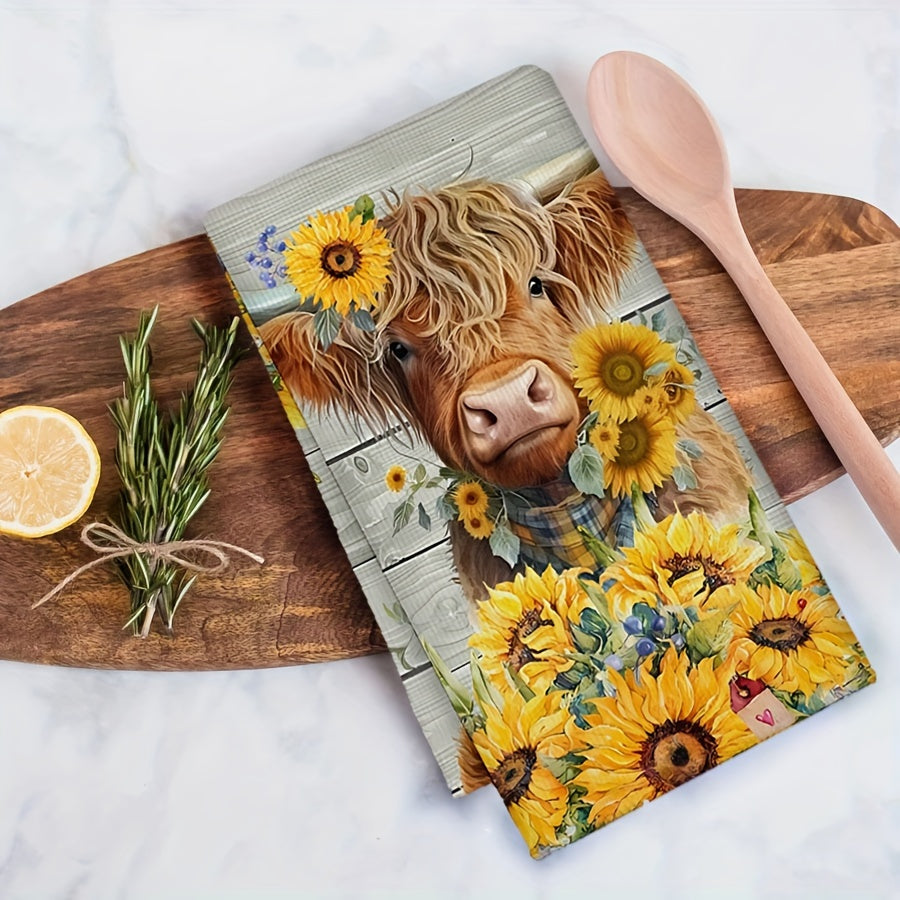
[[162, 461]]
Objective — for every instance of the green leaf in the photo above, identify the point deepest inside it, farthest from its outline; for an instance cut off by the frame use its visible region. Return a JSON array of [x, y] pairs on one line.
[[685, 479], [779, 568], [460, 698], [424, 518], [402, 514], [586, 643], [645, 613], [601, 551], [521, 687], [573, 677], [710, 636], [643, 518], [787, 574], [658, 321], [800, 703], [594, 624], [419, 473], [505, 544], [396, 612], [586, 469], [326, 325], [365, 207], [675, 334], [598, 601], [564, 769], [763, 532], [445, 509], [691, 448], [659, 368], [362, 319]]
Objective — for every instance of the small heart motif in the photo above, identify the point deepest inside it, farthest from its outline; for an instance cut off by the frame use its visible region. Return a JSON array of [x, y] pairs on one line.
[[802, 603], [766, 717]]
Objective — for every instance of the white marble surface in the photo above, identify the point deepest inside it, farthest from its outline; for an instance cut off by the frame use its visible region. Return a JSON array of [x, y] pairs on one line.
[[120, 124]]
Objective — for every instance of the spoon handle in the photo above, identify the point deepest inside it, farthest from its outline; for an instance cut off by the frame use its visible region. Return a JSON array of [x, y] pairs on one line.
[[841, 422]]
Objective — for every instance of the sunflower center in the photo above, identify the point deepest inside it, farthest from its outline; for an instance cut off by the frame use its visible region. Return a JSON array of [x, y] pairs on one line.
[[676, 751], [340, 259], [785, 633], [715, 574], [519, 652], [622, 373], [634, 442], [513, 775]]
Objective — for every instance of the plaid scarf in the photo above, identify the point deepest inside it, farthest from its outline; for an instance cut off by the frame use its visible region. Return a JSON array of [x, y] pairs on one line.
[[546, 520]]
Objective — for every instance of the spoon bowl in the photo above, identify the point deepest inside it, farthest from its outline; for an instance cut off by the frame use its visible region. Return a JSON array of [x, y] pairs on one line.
[[673, 128], [663, 139]]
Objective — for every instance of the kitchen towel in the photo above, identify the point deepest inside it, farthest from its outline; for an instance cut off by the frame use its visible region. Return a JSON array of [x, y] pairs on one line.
[[590, 587]]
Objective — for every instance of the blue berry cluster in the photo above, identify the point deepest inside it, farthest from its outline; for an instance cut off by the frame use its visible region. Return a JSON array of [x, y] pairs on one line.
[[267, 258], [651, 628]]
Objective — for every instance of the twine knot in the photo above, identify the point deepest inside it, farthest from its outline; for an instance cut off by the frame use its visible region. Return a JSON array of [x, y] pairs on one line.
[[110, 542]]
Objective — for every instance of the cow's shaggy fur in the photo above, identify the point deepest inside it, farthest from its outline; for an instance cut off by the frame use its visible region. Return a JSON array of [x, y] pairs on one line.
[[458, 302]]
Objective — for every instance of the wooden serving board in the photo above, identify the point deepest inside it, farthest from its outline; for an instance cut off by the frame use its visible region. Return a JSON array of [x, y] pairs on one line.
[[836, 261]]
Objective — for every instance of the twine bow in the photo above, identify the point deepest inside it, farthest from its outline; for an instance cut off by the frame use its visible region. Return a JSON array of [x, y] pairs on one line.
[[110, 542]]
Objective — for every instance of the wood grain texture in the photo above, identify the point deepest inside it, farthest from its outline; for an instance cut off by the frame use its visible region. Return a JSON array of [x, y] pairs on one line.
[[835, 260], [839, 273], [60, 348], [633, 99]]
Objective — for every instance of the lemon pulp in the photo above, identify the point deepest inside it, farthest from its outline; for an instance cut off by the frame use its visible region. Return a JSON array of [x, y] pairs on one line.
[[49, 469]]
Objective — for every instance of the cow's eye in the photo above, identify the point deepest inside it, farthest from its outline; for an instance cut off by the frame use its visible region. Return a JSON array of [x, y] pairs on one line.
[[535, 286], [400, 351]]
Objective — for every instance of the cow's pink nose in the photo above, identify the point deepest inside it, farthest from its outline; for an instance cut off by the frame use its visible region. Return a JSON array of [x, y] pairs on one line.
[[498, 414], [487, 409]]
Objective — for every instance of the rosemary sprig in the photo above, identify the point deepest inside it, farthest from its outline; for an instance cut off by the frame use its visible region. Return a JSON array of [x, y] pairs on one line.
[[163, 461]]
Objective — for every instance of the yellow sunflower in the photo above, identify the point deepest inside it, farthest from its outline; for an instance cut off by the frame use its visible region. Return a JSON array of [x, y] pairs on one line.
[[684, 560], [610, 361], [656, 733], [395, 478], [605, 438], [471, 499], [523, 626], [794, 641], [336, 260], [478, 527], [649, 400], [645, 454], [514, 744], [676, 396]]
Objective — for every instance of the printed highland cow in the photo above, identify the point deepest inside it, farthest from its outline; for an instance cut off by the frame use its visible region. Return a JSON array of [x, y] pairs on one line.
[[560, 527]]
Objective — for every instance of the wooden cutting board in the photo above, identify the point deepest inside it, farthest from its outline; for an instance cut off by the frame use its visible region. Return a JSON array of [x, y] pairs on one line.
[[836, 261]]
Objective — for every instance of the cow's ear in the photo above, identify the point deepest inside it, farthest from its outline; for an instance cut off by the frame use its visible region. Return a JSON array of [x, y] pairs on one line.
[[348, 375], [595, 245]]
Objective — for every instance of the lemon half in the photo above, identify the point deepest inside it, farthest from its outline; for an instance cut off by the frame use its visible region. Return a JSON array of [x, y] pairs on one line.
[[49, 469]]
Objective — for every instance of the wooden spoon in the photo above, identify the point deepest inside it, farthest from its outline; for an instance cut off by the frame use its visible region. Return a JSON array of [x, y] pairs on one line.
[[662, 138]]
